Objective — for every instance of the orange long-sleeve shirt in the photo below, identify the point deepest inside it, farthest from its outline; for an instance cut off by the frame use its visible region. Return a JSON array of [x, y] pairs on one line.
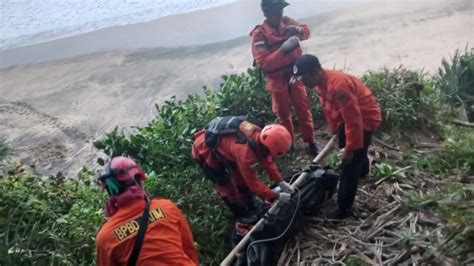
[[168, 239], [346, 99], [244, 158], [266, 43]]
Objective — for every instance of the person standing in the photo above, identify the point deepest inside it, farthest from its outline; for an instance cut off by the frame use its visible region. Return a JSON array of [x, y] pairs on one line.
[[275, 48], [351, 111]]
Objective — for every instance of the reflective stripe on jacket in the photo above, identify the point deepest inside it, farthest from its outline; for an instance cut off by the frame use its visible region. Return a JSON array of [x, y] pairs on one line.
[[168, 239]]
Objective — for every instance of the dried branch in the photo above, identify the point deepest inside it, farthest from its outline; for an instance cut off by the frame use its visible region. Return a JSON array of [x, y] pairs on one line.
[[384, 144], [462, 123]]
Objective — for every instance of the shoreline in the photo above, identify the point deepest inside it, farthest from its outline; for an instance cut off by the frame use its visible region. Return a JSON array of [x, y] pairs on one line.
[[127, 14], [223, 23]]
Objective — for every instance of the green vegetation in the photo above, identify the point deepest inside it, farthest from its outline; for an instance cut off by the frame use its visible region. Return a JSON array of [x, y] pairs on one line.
[[455, 79], [457, 155], [50, 221], [408, 100], [54, 221]]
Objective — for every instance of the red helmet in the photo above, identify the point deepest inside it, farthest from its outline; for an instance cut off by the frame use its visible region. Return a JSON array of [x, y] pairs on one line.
[[277, 139], [123, 169]]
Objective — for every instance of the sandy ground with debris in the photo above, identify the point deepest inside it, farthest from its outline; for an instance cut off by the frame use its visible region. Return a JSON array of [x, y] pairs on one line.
[[51, 112]]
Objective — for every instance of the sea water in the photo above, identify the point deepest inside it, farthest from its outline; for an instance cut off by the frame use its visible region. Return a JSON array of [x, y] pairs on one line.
[[24, 22]]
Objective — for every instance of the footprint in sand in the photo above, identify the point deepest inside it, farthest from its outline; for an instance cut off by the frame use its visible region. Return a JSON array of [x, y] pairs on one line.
[[22, 108]]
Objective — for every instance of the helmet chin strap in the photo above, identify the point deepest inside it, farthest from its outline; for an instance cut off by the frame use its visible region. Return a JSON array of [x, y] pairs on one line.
[[109, 176], [112, 186], [115, 187]]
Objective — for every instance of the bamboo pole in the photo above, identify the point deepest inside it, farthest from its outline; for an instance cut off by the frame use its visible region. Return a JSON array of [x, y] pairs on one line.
[[246, 240]]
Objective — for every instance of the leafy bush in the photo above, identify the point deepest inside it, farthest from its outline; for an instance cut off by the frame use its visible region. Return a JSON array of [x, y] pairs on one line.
[[407, 99], [457, 155], [455, 80], [167, 140], [242, 94], [48, 222]]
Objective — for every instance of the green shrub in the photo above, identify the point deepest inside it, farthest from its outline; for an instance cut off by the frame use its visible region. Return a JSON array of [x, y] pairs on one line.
[[455, 79], [48, 222], [407, 99], [166, 141], [457, 154]]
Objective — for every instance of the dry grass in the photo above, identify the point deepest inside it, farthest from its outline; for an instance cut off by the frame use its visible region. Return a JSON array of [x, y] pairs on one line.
[[386, 228]]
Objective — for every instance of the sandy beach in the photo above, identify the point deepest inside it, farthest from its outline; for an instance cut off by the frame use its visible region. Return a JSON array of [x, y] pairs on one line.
[[52, 111]]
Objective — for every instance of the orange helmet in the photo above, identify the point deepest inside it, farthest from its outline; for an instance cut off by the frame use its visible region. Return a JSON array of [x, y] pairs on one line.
[[277, 139]]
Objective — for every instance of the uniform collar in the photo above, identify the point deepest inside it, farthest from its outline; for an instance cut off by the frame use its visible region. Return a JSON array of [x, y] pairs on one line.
[[266, 26], [323, 88]]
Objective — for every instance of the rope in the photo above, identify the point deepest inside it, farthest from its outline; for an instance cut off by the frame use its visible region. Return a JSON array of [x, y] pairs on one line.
[[284, 232]]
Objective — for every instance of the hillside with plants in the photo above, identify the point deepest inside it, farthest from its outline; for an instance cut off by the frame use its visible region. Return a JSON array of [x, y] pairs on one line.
[[416, 205]]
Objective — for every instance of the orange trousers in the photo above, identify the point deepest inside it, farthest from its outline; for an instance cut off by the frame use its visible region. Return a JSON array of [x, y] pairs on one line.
[[297, 96]]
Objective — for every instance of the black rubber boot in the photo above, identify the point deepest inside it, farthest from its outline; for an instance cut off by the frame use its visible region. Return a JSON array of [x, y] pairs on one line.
[[338, 214], [313, 149]]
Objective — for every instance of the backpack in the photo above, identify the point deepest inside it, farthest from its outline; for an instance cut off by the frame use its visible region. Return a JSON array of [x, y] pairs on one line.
[[226, 125]]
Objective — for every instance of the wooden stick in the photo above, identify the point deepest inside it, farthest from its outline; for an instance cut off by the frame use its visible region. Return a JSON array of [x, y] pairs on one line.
[[246, 240], [435, 150], [429, 145], [384, 144]]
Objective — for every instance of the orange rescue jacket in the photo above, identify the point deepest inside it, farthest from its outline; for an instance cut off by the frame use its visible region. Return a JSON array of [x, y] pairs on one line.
[[266, 43], [346, 99], [243, 156], [168, 239]]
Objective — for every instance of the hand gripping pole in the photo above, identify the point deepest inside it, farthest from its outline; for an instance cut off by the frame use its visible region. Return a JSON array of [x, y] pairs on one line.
[[246, 240]]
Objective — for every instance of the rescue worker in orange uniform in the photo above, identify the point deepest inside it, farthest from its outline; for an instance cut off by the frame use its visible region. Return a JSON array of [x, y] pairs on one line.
[[231, 164], [352, 112], [168, 239], [275, 48]]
